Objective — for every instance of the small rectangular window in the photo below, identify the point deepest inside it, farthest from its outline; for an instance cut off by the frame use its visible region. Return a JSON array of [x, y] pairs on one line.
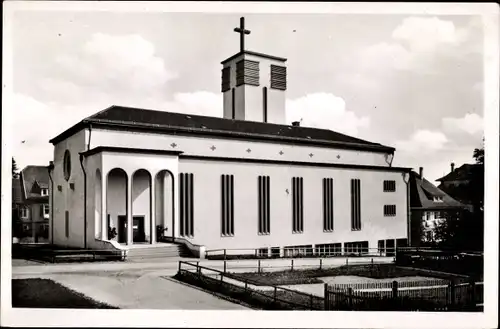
[[390, 210], [46, 209], [66, 223], [227, 224], [24, 212], [389, 186], [298, 204]]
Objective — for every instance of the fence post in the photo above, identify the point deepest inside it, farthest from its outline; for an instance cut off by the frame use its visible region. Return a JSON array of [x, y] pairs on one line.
[[225, 266], [258, 266], [394, 289], [372, 262], [246, 284], [452, 294], [292, 264], [180, 262], [320, 263], [275, 291], [326, 297], [472, 287], [224, 254], [349, 297]]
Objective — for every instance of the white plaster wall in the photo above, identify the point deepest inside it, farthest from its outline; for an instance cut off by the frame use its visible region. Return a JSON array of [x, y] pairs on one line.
[[207, 205], [68, 199], [94, 186], [192, 145]]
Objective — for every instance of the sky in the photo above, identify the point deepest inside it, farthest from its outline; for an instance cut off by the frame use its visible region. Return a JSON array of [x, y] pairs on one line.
[[413, 82]]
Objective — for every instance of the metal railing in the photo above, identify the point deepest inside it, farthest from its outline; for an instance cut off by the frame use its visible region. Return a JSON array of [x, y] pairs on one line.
[[297, 252], [250, 291], [51, 255]]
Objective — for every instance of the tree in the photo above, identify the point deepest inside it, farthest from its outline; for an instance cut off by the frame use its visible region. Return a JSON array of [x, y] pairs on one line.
[[478, 154], [15, 169]]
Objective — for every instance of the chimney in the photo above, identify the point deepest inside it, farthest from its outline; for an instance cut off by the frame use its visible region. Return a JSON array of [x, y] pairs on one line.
[[296, 123], [452, 167], [421, 172]]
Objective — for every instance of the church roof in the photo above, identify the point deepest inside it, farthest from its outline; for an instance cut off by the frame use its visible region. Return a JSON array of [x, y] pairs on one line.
[[128, 118], [422, 193]]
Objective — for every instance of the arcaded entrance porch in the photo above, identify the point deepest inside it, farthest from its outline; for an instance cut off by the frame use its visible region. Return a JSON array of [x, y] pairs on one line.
[[134, 197], [139, 209]]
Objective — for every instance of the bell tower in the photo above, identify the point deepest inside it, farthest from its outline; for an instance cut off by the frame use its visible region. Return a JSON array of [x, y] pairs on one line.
[[254, 84]]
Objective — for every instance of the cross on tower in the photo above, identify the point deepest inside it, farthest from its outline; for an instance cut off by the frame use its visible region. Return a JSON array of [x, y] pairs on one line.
[[241, 30]]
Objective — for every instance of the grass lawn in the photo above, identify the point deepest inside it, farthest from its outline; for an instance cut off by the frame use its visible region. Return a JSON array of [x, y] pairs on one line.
[[377, 271], [44, 293]]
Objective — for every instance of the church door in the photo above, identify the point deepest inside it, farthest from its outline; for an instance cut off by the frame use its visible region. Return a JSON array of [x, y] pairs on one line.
[[139, 229], [122, 229]]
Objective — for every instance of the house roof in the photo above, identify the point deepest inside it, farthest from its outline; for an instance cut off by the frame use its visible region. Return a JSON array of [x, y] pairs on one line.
[[462, 173], [17, 196], [136, 119], [422, 193], [32, 179]]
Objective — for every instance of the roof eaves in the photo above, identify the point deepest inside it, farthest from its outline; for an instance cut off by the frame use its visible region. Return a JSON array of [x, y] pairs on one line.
[[160, 127]]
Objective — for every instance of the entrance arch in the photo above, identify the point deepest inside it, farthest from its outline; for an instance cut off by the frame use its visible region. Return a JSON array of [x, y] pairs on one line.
[[116, 204], [141, 206], [164, 205], [98, 204]]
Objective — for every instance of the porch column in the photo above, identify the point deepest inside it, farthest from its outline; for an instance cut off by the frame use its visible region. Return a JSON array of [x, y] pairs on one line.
[[104, 206], [166, 222], [130, 230], [152, 214]]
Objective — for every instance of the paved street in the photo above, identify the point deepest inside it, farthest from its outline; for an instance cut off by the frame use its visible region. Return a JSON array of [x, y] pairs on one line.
[[143, 286]]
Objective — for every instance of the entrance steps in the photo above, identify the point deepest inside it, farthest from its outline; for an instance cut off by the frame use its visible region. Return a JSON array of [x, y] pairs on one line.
[[157, 251]]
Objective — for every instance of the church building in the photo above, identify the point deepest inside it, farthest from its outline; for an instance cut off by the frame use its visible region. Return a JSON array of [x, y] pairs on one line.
[[126, 177]]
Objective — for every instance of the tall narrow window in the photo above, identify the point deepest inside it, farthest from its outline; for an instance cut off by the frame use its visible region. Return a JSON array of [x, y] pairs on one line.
[[328, 204], [227, 223], [233, 103], [355, 204], [186, 227], [264, 103], [297, 205], [66, 223], [264, 209]]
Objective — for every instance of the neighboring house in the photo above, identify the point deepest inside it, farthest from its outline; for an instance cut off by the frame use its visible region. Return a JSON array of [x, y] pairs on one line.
[[17, 204], [429, 205], [464, 184], [34, 206]]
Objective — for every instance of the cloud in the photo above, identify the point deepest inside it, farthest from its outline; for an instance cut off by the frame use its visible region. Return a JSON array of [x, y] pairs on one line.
[[418, 42], [116, 64], [471, 123], [425, 34], [423, 141], [327, 111], [380, 55]]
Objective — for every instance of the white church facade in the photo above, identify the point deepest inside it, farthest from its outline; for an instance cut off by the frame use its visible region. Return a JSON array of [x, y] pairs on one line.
[[127, 176]]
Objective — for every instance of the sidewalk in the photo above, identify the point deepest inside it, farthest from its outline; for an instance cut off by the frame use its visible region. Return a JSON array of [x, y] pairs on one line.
[[249, 265]]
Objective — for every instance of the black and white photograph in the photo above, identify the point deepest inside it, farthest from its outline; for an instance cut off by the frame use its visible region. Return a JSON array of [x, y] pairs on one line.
[[181, 160]]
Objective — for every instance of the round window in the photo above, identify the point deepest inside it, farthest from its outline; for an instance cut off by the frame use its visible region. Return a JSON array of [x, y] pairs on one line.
[[67, 165]]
